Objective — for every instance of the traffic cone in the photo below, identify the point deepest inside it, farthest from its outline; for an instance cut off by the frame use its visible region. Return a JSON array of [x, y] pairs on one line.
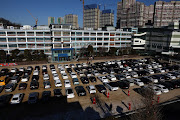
[[129, 108], [107, 94], [128, 92], [94, 100], [158, 99]]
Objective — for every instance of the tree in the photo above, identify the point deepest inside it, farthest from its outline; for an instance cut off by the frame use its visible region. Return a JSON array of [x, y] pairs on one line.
[[102, 51], [90, 50], [42, 56], [15, 53], [3, 56], [36, 55], [27, 55], [112, 51], [83, 52]]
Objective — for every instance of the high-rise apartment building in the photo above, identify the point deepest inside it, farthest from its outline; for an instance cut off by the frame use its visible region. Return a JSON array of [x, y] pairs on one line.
[[166, 12], [71, 19], [91, 16], [107, 17], [60, 20], [51, 20], [132, 13]]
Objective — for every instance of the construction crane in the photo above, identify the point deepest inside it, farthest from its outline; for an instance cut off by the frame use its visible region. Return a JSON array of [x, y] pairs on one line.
[[83, 12], [36, 19]]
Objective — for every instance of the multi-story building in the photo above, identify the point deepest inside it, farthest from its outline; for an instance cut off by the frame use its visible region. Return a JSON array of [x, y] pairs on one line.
[[51, 20], [91, 16], [60, 20], [132, 13], [166, 12], [60, 40], [72, 20], [107, 18]]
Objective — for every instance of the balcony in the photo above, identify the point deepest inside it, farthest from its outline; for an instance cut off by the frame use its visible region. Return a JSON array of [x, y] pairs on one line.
[[30, 34]]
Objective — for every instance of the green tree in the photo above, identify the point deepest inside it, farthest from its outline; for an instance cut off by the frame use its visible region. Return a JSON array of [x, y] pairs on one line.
[[27, 55], [112, 51], [42, 56], [3, 56], [90, 50], [15, 53]]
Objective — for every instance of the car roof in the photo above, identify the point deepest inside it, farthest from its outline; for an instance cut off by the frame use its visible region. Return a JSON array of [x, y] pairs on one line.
[[91, 86], [16, 95]]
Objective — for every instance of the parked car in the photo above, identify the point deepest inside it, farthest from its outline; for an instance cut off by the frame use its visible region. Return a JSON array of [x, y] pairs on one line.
[[120, 77], [69, 70], [69, 93], [67, 83], [55, 76], [103, 79], [46, 95], [57, 93], [131, 81], [37, 68], [124, 84], [47, 84], [64, 76], [84, 80], [62, 70], [35, 78], [57, 83], [113, 86], [100, 88], [10, 87], [17, 98], [36, 72], [53, 71], [15, 79], [14, 70], [111, 77], [75, 81], [162, 88], [73, 75], [25, 78], [19, 73], [155, 89], [138, 82], [4, 99], [22, 86], [95, 73], [34, 85], [92, 79], [44, 71], [33, 98], [80, 90], [91, 89], [45, 77]]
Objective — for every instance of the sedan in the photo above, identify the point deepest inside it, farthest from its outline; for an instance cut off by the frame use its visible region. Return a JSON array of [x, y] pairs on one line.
[[138, 82], [73, 75], [91, 89], [101, 88], [45, 77], [22, 86], [92, 79], [162, 88], [55, 76], [69, 93], [64, 76], [47, 84], [123, 84], [67, 83], [84, 80], [34, 85], [17, 98], [33, 98], [75, 81], [103, 79], [25, 78], [57, 93], [113, 86], [111, 77], [46, 95], [57, 83], [80, 90]]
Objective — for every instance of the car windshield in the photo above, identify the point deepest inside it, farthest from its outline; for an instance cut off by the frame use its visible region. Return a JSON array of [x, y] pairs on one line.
[[15, 98], [70, 91], [164, 88], [31, 98]]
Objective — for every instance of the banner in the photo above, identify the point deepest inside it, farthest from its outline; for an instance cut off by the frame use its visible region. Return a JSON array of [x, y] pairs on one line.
[[8, 64]]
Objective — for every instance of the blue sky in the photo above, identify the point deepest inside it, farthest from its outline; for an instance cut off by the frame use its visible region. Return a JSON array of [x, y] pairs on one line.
[[15, 10]]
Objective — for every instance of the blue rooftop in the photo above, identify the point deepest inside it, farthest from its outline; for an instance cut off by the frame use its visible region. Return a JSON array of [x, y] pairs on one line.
[[108, 11], [91, 6]]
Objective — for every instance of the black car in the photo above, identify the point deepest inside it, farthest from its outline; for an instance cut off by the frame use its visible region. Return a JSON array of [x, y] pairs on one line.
[[145, 80], [22, 86], [52, 66], [4, 71], [1, 88], [84, 80], [80, 90], [92, 79], [33, 98], [44, 71], [168, 85], [35, 78], [30, 68], [123, 84], [15, 79], [57, 93], [4, 99], [10, 87], [19, 73], [46, 95], [27, 72], [176, 83], [69, 70], [34, 85], [100, 88], [120, 77], [37, 68], [9, 74]]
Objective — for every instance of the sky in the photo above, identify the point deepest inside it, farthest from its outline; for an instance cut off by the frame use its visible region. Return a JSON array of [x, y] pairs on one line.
[[16, 10]]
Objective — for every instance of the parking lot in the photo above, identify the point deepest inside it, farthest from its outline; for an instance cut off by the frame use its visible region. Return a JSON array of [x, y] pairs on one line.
[[119, 69]]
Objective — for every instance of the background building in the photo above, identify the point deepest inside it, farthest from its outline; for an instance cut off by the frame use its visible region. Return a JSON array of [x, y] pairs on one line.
[[132, 13], [107, 18], [51, 20], [60, 20], [166, 12], [91, 16], [72, 20]]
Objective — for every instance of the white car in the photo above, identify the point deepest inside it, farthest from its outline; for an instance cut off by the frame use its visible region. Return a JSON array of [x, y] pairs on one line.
[[67, 83], [131, 81], [66, 66], [134, 74], [44, 67], [36, 72], [59, 66], [64, 76], [13, 70], [84, 64], [91, 89], [113, 86], [81, 74], [128, 68], [53, 71], [162, 88], [154, 80], [57, 83], [95, 73], [111, 77], [149, 66], [127, 75], [62, 70], [120, 66], [17, 98], [138, 82], [171, 76], [154, 65], [47, 84], [25, 78], [155, 89], [103, 79], [21, 69], [73, 75], [55, 76], [45, 77], [150, 71], [69, 93]]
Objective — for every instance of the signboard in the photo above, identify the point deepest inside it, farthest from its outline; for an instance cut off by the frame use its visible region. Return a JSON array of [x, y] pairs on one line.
[[8, 64]]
